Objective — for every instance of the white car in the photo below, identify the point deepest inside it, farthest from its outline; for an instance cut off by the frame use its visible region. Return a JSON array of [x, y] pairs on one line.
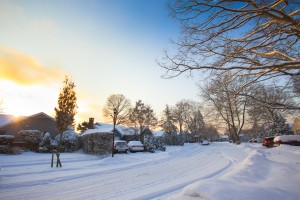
[[205, 142], [135, 146], [120, 146]]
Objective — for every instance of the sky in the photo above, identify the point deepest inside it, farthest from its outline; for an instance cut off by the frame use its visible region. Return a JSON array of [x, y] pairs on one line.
[[106, 47]]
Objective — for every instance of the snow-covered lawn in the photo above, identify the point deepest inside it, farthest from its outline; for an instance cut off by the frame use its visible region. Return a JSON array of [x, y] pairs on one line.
[[218, 171]]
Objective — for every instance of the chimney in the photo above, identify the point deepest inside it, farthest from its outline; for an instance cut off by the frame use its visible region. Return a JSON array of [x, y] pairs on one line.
[[91, 123]]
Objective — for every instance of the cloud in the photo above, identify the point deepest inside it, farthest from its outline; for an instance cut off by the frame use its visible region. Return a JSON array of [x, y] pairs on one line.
[[23, 69]]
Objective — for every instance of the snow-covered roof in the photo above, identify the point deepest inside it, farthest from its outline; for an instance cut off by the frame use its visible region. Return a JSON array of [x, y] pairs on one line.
[[224, 136], [5, 118], [106, 128], [158, 133], [97, 130]]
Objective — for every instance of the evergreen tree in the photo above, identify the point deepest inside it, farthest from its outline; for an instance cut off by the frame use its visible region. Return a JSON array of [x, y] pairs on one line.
[[83, 126], [65, 112], [195, 124], [142, 116], [167, 121], [278, 126]]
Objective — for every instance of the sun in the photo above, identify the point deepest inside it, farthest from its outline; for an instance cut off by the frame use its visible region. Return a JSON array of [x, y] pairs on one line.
[[24, 100]]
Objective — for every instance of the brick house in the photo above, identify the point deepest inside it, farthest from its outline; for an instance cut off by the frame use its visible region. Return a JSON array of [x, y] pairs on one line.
[[39, 121]]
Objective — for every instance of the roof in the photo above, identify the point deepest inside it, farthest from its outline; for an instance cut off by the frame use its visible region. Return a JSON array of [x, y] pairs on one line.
[[106, 128], [97, 130], [158, 133], [5, 118], [37, 115]]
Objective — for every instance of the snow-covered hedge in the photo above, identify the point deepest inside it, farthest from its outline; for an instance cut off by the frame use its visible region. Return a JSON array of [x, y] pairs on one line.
[[97, 143], [32, 138], [6, 139], [69, 141], [151, 143]]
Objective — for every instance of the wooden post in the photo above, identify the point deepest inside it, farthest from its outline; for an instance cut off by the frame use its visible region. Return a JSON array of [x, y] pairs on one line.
[[58, 160], [52, 158]]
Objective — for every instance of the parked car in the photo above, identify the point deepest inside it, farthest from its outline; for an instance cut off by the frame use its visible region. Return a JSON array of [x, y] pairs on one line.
[[268, 141], [135, 146], [293, 140], [120, 146], [205, 142]]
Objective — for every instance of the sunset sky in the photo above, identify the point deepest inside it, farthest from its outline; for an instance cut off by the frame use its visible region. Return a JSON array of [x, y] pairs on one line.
[[106, 47]]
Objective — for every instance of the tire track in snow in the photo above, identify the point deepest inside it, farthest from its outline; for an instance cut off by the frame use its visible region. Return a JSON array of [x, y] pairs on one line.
[[147, 179]]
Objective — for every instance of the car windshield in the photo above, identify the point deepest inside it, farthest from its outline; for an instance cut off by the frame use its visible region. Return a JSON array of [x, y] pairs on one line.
[[121, 143], [135, 143]]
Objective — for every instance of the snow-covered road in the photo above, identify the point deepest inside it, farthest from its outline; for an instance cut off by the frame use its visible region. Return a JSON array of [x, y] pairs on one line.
[[126, 176]]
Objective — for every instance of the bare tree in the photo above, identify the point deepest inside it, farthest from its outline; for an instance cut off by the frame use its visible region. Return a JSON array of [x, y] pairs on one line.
[[266, 101], [222, 95], [258, 38], [180, 112], [119, 104]]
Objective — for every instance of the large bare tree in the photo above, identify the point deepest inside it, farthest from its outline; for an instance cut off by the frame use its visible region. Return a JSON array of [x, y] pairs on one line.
[[119, 104], [248, 38], [221, 94]]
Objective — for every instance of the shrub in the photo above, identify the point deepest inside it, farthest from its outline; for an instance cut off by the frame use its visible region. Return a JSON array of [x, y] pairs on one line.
[[97, 143], [149, 143], [14, 150], [32, 138], [4, 148], [160, 144], [47, 144], [6, 139], [69, 141]]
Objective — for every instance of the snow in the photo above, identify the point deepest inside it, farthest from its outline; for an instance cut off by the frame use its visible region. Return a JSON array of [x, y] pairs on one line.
[[287, 138], [7, 136], [220, 171], [107, 128]]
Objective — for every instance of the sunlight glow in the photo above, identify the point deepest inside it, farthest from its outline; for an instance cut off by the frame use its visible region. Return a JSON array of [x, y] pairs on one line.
[[20, 100]]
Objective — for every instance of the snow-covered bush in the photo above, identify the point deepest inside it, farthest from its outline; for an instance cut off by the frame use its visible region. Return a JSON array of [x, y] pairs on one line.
[[149, 143], [47, 144], [173, 139], [6, 139], [97, 143], [4, 148], [32, 138], [69, 140], [160, 144]]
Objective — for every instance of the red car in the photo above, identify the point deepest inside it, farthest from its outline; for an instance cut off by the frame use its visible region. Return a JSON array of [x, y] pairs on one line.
[[268, 142]]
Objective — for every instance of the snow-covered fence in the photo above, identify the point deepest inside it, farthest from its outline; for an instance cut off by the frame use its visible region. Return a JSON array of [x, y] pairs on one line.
[[97, 143]]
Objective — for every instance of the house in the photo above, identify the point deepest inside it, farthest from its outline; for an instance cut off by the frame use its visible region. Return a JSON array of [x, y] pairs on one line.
[[296, 126], [39, 121], [121, 132]]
